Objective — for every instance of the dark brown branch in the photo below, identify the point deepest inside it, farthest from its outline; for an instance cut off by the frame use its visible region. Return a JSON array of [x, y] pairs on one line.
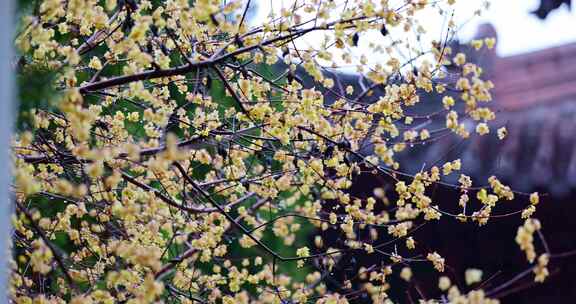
[[232, 220], [56, 254], [170, 265], [172, 203], [144, 152]]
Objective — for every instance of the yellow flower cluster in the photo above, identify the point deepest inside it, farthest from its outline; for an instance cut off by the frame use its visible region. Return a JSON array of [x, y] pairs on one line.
[[184, 161], [437, 261], [540, 270], [525, 238]]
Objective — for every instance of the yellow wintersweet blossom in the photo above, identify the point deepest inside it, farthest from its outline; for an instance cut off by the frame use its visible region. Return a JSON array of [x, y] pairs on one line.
[[502, 133], [444, 283], [534, 198], [472, 276], [436, 260], [540, 271], [525, 238]]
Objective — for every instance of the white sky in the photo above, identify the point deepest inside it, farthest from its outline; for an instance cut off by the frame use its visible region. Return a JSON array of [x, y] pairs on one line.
[[521, 32], [518, 30]]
